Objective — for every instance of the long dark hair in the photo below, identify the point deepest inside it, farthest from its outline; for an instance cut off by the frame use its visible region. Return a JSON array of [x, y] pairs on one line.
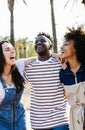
[[16, 76]]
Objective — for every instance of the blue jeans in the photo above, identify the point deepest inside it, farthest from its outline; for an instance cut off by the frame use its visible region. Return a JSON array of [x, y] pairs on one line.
[[63, 127]]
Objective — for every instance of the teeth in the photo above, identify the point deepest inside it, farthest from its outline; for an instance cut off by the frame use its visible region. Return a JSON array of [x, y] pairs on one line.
[[39, 47]]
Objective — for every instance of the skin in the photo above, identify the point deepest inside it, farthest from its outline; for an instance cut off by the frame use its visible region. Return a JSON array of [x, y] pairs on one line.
[[42, 48], [68, 50], [68, 53], [9, 55]]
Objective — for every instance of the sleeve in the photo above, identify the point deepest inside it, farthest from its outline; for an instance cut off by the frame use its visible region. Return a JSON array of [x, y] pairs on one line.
[[20, 65], [2, 92]]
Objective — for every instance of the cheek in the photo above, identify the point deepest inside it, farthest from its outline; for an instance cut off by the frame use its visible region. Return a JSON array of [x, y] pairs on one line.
[[69, 51], [6, 57], [35, 47], [72, 51], [48, 45]]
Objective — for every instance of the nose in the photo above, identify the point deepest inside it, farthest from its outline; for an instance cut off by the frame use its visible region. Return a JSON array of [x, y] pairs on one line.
[[39, 42], [61, 47], [13, 51]]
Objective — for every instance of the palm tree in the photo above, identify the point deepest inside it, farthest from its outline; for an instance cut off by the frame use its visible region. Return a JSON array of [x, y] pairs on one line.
[[53, 26], [83, 2], [11, 9]]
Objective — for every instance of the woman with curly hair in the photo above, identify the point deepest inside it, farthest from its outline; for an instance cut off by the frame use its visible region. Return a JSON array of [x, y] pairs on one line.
[[73, 76]]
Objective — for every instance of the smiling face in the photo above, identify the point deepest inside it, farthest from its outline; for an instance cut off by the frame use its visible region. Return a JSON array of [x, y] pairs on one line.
[[42, 45], [67, 50], [9, 54]]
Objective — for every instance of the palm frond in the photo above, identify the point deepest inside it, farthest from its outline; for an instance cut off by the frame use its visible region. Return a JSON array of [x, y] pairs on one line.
[[66, 3], [25, 2], [71, 3], [74, 2]]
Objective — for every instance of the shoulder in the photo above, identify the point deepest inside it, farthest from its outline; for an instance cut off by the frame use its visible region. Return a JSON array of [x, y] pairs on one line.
[[20, 65], [65, 72], [53, 59], [20, 62]]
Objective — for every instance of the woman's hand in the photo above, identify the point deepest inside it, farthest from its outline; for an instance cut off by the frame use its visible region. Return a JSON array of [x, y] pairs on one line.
[[57, 57]]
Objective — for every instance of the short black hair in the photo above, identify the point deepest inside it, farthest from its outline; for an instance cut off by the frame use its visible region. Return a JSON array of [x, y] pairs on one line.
[[46, 35]]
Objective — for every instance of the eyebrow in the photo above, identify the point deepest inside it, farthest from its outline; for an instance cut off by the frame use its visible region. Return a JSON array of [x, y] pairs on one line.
[[8, 48]]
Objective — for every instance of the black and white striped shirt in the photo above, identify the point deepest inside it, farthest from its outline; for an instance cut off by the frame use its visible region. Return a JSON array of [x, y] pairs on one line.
[[48, 102]]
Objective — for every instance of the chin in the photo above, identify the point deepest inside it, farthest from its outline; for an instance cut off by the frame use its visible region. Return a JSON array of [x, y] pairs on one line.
[[63, 56], [13, 64], [41, 53]]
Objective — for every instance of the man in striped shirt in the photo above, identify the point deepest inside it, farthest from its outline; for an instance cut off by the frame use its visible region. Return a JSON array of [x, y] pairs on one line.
[[48, 103]]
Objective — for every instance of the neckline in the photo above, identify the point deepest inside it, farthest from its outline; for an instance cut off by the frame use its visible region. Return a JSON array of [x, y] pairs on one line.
[[44, 61]]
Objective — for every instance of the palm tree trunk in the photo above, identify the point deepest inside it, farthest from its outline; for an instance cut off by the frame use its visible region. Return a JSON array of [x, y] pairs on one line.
[[12, 28], [53, 27], [11, 9]]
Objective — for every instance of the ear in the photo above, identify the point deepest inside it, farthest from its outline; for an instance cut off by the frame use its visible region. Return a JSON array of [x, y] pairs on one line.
[[50, 46]]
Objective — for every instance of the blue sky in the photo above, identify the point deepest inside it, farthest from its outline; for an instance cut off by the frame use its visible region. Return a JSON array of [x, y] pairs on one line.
[[36, 17]]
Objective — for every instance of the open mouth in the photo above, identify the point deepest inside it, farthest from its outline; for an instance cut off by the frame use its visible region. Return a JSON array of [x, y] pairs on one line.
[[12, 57], [62, 52], [39, 47]]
